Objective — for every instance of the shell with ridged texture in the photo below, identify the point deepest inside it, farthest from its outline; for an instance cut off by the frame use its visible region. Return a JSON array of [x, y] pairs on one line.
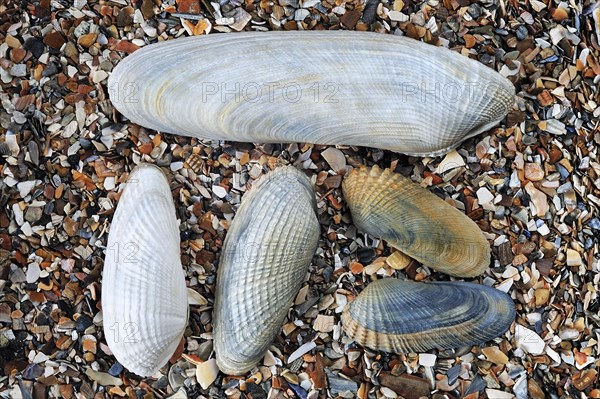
[[406, 316], [265, 258], [144, 297], [330, 87], [408, 217]]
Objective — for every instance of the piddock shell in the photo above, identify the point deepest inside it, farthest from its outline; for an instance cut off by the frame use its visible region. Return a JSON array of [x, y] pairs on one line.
[[144, 297]]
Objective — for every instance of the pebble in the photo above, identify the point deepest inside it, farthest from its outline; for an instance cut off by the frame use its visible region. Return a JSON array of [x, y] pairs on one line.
[[335, 158], [534, 172], [485, 198], [529, 340], [206, 373], [366, 255], [427, 359], [451, 161], [18, 70], [398, 260], [338, 385], [495, 355], [54, 40], [474, 10], [522, 32], [35, 46], [26, 187], [324, 323], [12, 41], [219, 191], [33, 273], [497, 394], [573, 258], [116, 369], [538, 199], [101, 378], [301, 351], [398, 16]]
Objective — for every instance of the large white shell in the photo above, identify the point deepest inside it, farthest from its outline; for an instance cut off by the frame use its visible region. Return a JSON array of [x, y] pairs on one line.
[[144, 297], [333, 87], [265, 258]]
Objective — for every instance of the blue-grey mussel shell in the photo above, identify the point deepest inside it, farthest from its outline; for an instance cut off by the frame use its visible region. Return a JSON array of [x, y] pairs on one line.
[[405, 316]]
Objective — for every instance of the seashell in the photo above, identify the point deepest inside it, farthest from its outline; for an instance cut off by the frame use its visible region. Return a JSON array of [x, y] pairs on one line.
[[406, 316], [333, 87], [144, 297], [413, 220], [265, 258]]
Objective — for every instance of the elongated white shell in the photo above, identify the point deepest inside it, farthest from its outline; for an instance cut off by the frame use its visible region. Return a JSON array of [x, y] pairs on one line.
[[265, 258], [333, 87], [144, 297]]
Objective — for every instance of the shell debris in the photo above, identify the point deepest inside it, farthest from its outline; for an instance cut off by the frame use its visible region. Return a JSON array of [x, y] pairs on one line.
[[59, 129]]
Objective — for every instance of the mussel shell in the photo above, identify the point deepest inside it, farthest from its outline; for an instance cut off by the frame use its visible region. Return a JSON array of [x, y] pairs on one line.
[[390, 206], [406, 316], [330, 87], [265, 258], [144, 297]]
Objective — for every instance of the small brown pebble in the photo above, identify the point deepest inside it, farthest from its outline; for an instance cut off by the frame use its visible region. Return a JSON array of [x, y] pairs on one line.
[[188, 6], [470, 41], [545, 98], [542, 295], [555, 155], [126, 46], [584, 379], [70, 50], [147, 8], [17, 55], [534, 172], [87, 40], [12, 42], [350, 18], [560, 14], [534, 389], [356, 268], [405, 385], [519, 259], [54, 40]]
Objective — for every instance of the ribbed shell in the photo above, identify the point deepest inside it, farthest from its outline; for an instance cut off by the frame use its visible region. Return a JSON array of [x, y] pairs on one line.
[[144, 297], [265, 258], [420, 224], [330, 87], [405, 316]]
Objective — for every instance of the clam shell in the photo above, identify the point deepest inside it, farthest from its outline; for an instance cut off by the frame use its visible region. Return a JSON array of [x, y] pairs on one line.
[[406, 316], [333, 87], [265, 258], [420, 224], [144, 297]]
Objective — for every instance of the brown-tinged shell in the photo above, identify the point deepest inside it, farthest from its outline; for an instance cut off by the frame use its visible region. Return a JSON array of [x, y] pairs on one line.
[[407, 316], [420, 224]]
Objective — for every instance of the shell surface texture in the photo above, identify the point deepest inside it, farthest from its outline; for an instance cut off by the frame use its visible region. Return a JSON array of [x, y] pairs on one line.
[[331, 87], [265, 258], [390, 206], [144, 296], [407, 316]]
